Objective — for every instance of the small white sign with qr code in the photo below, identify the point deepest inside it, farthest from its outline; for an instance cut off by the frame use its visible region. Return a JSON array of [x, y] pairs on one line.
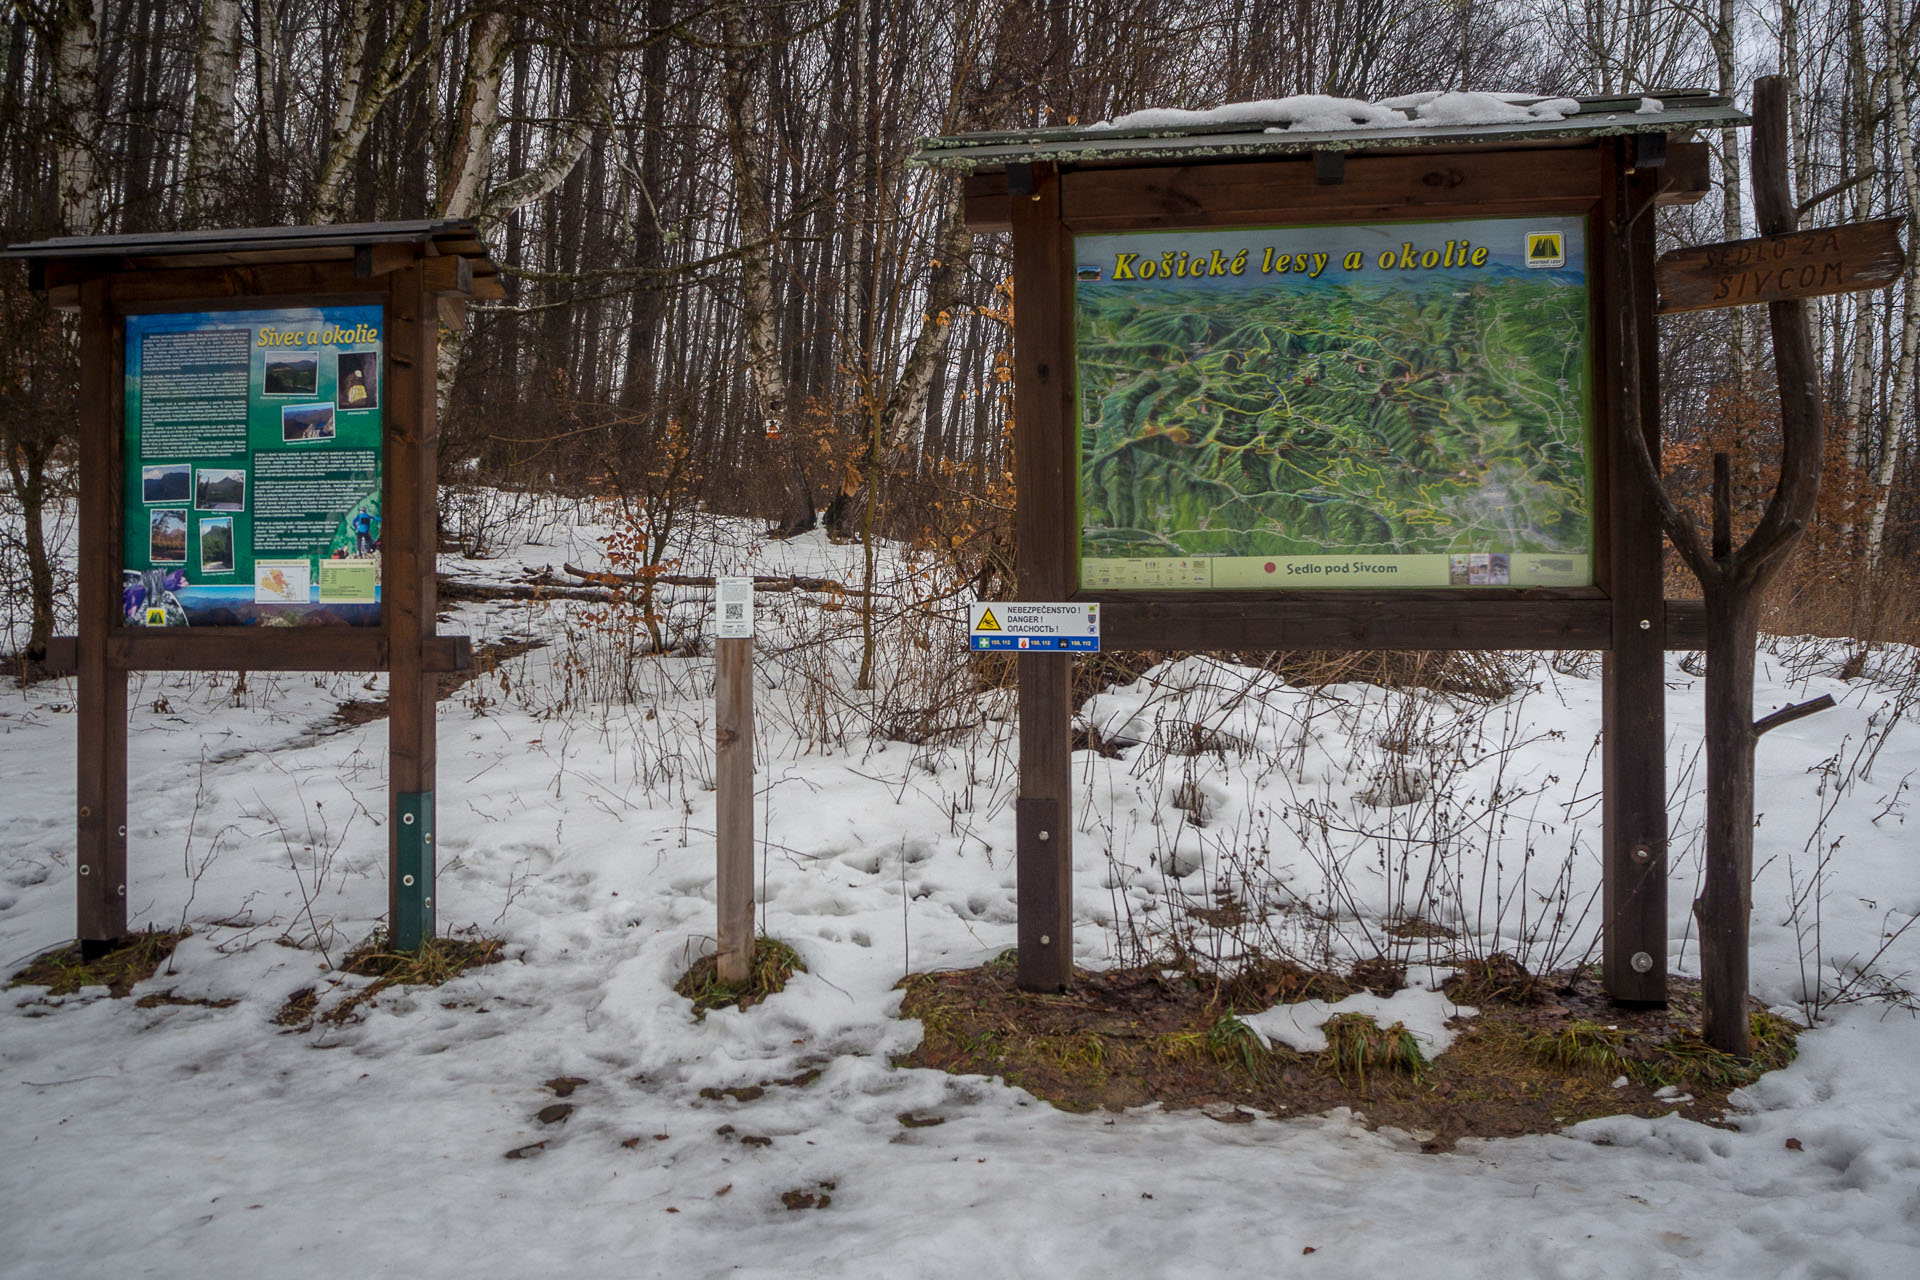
[[735, 599]]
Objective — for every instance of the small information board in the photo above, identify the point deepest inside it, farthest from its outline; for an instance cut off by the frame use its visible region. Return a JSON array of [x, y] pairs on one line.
[[1034, 627], [733, 607]]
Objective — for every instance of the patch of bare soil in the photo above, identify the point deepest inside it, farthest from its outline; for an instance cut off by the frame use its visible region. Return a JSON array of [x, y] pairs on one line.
[[438, 961], [1542, 1052]]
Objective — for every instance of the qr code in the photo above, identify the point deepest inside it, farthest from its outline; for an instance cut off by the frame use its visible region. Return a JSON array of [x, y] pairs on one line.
[[735, 611]]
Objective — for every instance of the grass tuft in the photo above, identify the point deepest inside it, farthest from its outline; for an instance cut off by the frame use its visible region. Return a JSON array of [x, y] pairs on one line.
[[1230, 1038], [1681, 1059], [768, 969], [1358, 1046], [64, 971]]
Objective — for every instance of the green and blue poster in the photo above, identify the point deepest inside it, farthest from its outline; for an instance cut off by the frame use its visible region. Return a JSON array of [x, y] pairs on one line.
[[253, 453], [1401, 404]]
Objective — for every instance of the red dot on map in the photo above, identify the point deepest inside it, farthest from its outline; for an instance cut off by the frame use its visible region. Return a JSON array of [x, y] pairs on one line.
[[1270, 566]]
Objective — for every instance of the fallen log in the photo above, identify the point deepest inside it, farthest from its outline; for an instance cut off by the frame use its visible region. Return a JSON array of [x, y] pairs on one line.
[[761, 582]]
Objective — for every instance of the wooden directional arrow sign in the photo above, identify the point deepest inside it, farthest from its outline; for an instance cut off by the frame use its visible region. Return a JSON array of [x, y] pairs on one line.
[[1801, 264]]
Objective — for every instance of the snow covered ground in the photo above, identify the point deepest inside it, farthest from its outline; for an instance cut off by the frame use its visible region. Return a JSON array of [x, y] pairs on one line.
[[576, 822]]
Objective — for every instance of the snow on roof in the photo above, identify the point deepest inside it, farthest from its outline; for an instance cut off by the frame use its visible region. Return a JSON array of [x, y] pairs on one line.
[[1319, 112], [1317, 122]]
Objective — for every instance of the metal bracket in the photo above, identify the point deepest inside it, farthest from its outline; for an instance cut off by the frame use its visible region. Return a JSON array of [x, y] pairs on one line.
[[1020, 179], [1649, 150], [413, 895], [1329, 167]]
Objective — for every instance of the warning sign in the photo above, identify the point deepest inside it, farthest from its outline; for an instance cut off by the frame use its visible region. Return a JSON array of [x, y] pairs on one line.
[[1034, 628]]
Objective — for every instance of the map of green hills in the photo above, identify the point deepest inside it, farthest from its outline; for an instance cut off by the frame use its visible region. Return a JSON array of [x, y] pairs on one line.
[[1335, 418]]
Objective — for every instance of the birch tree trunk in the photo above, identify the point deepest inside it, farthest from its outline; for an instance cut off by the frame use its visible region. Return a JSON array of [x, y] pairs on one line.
[[1861, 89], [745, 130], [1900, 88], [469, 160], [76, 131], [1721, 35], [210, 138], [363, 92]]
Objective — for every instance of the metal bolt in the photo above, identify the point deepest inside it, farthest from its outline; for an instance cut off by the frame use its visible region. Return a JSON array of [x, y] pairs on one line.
[[407, 818], [427, 838], [1641, 962], [1045, 940], [1046, 835], [85, 870], [1642, 854], [1645, 625], [86, 811], [407, 881], [123, 891], [123, 831], [427, 903]]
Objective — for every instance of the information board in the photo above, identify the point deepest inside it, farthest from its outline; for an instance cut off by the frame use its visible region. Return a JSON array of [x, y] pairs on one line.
[[1387, 405], [253, 462]]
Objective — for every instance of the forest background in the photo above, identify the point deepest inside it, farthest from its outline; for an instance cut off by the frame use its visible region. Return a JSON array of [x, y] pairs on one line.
[[728, 288]]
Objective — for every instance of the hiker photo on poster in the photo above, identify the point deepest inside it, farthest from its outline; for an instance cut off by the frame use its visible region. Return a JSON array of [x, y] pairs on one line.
[[357, 380], [300, 423]]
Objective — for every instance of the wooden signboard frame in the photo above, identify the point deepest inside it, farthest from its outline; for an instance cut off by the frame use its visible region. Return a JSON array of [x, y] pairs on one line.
[[1614, 180], [421, 274]]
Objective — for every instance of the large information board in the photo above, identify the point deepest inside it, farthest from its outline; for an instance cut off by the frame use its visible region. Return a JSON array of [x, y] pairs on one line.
[[1404, 404], [253, 460]]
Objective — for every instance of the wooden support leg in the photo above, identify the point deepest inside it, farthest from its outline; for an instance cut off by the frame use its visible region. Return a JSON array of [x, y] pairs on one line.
[[733, 780], [100, 861], [408, 543], [1043, 447], [1043, 839], [1633, 674]]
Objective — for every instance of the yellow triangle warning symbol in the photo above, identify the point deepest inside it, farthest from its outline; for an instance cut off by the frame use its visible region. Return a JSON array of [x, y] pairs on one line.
[[987, 622]]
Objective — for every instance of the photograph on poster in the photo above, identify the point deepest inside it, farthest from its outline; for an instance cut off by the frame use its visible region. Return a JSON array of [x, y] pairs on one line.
[[166, 482], [292, 374], [167, 535], [300, 423], [357, 380], [216, 544], [220, 489]]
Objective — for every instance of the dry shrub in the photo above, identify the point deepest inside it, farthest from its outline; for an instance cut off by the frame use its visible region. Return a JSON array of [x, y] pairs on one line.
[[1828, 587]]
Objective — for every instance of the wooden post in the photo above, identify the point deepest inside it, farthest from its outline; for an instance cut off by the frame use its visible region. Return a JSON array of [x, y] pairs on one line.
[[101, 853], [1043, 436], [1732, 579], [1633, 686], [409, 538], [733, 821]]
